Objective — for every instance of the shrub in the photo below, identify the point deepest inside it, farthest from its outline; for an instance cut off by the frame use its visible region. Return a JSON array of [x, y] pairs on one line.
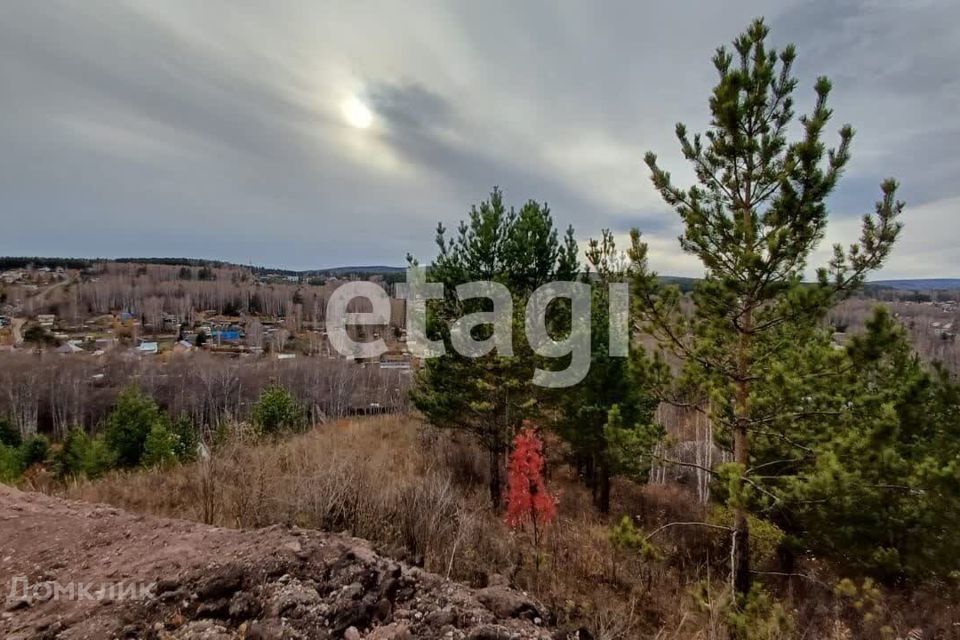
[[761, 617], [10, 464], [765, 537], [9, 434], [160, 447], [188, 439], [34, 451], [83, 455], [39, 336], [278, 411], [624, 536], [757, 617], [527, 497]]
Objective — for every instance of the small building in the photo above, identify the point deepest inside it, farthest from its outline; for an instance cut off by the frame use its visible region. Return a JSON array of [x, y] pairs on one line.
[[68, 348], [148, 348], [226, 335]]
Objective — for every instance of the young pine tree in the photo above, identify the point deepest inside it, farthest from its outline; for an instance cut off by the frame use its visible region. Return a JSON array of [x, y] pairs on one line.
[[755, 215], [129, 424], [870, 476], [599, 441], [490, 396]]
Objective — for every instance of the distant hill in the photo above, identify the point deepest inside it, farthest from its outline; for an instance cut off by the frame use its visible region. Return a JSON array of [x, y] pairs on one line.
[[381, 269], [391, 272], [922, 284]]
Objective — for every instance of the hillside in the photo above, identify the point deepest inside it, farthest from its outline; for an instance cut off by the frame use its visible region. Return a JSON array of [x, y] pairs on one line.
[[922, 284], [213, 583]]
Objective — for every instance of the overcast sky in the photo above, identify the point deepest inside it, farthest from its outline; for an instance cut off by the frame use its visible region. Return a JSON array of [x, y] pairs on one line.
[[230, 130]]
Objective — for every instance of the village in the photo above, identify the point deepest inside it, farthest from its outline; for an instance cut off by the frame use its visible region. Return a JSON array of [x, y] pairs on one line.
[[32, 301]]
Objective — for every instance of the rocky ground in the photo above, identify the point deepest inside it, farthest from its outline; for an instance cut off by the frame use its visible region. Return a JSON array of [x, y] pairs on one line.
[[76, 570]]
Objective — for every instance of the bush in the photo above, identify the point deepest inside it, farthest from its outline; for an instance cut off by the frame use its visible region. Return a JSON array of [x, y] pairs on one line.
[[34, 451], [160, 447], [278, 411], [129, 425], [39, 336], [9, 434], [765, 537], [83, 455], [188, 439], [758, 617], [10, 463]]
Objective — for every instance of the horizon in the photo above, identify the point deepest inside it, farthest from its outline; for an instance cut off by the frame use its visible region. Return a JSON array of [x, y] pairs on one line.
[[360, 267]]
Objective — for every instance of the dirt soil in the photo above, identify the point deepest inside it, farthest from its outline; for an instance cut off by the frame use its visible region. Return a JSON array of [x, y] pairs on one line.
[[78, 570]]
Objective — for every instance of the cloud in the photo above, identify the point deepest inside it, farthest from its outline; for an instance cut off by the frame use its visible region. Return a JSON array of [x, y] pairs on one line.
[[217, 129]]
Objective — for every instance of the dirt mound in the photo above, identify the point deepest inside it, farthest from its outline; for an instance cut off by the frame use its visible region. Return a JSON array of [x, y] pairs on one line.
[[75, 570]]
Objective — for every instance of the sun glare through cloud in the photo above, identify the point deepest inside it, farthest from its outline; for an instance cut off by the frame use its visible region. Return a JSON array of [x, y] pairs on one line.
[[358, 114]]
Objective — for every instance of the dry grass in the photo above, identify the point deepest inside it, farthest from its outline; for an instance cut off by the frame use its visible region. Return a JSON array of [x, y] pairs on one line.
[[420, 495]]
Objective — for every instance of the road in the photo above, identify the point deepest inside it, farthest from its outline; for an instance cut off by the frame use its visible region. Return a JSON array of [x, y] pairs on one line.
[[17, 325]]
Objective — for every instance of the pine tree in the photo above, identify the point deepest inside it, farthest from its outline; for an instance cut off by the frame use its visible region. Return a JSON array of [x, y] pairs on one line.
[[129, 424], [277, 411], [754, 217], [870, 475], [598, 442], [489, 397]]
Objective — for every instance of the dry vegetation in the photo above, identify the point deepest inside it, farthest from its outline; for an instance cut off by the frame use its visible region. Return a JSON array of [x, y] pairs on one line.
[[420, 495], [932, 323], [50, 394]]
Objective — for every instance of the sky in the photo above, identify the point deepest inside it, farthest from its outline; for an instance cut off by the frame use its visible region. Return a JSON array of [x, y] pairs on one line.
[[313, 134]]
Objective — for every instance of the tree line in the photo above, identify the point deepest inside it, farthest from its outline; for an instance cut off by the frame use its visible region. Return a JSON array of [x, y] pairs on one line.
[[138, 433]]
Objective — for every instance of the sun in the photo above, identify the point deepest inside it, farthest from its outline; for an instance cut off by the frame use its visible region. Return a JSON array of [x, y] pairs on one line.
[[357, 114]]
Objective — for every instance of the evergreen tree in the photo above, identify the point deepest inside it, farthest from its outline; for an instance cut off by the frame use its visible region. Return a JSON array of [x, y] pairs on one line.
[[870, 475], [160, 446], [489, 397], [754, 217], [277, 411], [128, 425], [34, 450], [605, 445], [83, 455]]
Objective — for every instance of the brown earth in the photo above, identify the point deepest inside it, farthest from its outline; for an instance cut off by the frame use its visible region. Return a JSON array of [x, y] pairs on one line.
[[93, 571]]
